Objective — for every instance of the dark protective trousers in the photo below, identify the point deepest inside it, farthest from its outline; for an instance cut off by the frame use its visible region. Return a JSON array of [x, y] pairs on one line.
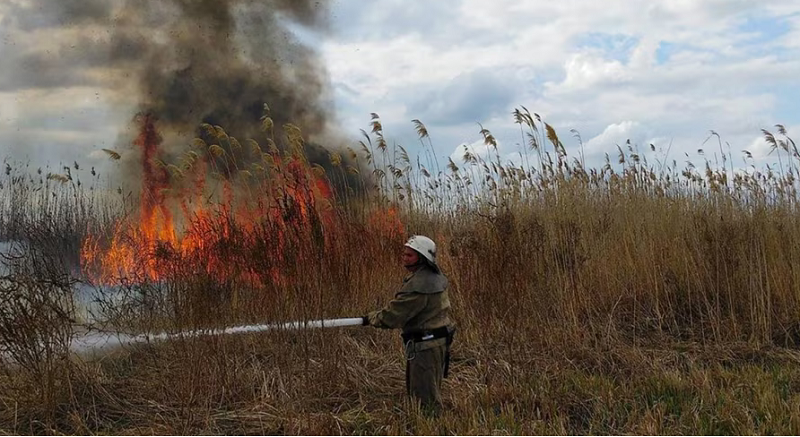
[[424, 373]]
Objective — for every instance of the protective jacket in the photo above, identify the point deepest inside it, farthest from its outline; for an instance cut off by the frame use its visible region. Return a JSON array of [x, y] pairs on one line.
[[422, 304]]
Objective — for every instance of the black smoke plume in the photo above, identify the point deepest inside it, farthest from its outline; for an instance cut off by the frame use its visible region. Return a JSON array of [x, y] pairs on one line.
[[188, 62]]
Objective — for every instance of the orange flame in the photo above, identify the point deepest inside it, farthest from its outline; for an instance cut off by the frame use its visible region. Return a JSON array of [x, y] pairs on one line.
[[289, 206], [386, 224]]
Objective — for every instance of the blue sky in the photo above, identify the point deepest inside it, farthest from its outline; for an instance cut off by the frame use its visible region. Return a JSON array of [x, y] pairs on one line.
[[661, 71]]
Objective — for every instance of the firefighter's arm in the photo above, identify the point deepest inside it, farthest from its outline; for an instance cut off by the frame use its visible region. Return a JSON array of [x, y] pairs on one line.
[[398, 312]]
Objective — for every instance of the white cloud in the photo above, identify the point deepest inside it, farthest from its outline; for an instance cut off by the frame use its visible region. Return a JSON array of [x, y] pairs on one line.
[[792, 38], [644, 55], [762, 151], [477, 148], [584, 71], [616, 133], [374, 69], [759, 149], [508, 154]]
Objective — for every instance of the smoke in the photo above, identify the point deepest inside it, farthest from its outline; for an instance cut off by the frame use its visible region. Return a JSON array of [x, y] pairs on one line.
[[191, 61], [184, 61], [204, 64]]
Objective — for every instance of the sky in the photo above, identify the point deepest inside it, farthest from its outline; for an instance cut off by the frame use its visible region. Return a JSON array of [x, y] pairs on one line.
[[665, 72]]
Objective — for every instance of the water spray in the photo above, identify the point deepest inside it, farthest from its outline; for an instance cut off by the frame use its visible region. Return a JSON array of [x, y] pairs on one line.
[[99, 341]]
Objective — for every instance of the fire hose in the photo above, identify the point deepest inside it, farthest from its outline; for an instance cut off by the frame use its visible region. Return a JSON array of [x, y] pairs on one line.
[[96, 341]]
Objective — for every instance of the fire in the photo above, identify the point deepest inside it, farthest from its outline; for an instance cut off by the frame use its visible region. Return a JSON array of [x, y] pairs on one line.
[[386, 224], [256, 218]]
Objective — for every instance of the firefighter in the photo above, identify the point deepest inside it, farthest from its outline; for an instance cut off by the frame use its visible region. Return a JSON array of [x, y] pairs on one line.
[[421, 310]]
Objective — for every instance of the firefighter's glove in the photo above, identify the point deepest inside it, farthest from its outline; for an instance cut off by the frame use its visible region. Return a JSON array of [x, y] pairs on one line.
[[372, 318]]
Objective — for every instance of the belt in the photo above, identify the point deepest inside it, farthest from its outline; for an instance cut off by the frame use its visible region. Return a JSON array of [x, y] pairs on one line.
[[418, 341], [431, 334]]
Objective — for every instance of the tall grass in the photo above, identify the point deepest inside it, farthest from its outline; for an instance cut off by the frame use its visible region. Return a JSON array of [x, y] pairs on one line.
[[635, 297]]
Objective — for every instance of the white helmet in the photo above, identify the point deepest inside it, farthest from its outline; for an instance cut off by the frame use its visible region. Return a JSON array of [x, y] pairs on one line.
[[425, 246]]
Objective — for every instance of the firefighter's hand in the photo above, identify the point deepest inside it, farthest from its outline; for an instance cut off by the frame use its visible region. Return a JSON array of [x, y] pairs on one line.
[[364, 320], [372, 318]]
